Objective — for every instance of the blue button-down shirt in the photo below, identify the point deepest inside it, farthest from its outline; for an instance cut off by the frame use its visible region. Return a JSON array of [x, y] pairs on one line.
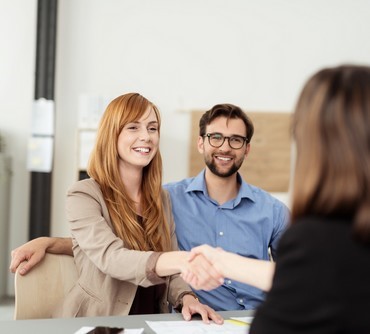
[[248, 225]]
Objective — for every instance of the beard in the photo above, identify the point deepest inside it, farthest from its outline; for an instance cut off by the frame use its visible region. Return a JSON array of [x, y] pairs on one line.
[[210, 162]]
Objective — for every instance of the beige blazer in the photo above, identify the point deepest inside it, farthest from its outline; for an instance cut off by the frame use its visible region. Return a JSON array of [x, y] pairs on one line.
[[109, 273]]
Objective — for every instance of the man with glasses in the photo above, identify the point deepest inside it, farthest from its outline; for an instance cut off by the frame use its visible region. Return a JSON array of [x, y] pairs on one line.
[[217, 207]]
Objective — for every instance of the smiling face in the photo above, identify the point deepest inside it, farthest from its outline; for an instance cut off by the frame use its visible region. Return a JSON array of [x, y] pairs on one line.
[[138, 141], [224, 161]]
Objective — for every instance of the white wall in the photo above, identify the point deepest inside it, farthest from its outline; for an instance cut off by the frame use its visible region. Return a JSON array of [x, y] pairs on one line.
[[17, 60], [182, 55]]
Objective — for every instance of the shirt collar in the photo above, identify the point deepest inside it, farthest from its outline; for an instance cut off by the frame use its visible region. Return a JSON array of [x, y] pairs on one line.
[[199, 184]]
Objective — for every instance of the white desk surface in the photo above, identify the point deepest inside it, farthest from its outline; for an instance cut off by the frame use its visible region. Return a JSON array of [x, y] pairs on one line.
[[71, 325]]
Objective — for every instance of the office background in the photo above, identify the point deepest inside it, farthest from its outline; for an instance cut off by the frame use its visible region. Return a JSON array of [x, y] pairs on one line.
[[183, 55]]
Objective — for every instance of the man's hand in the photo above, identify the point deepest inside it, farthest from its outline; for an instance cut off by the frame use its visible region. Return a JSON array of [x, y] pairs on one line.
[[32, 252], [192, 306]]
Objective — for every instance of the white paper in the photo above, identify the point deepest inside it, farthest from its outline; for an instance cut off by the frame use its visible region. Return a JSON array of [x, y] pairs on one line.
[[42, 120], [40, 154], [86, 329], [196, 327]]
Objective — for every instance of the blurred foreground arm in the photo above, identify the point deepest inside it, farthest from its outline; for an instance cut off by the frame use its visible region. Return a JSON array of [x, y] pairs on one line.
[[34, 251], [258, 273]]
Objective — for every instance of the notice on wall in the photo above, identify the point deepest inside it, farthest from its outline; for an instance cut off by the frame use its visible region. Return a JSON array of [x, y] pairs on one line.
[[40, 154], [42, 120], [41, 140], [86, 144]]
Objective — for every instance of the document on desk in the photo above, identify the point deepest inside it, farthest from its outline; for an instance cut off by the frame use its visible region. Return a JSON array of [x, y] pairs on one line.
[[197, 327]]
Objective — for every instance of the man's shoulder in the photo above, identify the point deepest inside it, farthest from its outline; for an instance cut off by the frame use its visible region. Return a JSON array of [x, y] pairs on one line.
[[258, 191], [263, 196], [178, 185]]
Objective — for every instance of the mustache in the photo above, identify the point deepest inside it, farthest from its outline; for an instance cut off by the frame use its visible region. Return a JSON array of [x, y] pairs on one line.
[[227, 153]]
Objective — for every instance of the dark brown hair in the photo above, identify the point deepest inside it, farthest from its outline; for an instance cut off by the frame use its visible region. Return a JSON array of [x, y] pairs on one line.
[[230, 112], [331, 125]]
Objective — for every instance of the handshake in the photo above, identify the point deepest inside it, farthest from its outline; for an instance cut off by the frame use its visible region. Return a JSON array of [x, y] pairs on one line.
[[207, 267], [203, 269]]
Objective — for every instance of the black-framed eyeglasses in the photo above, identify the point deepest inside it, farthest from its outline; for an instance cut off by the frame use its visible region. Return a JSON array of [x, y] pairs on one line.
[[217, 140]]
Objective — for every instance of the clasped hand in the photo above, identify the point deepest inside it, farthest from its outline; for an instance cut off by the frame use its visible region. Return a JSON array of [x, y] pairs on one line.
[[200, 272]]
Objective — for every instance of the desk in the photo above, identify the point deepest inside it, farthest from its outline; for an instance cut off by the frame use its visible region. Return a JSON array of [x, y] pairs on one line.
[[71, 325]]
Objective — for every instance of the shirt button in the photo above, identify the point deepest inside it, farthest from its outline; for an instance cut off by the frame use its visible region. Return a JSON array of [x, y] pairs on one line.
[[221, 233], [228, 282], [241, 301]]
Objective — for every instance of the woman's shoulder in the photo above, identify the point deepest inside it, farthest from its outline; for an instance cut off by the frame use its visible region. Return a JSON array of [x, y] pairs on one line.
[[316, 233], [86, 185], [311, 224]]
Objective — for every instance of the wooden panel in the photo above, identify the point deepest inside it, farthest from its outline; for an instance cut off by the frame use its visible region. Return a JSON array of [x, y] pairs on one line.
[[268, 163]]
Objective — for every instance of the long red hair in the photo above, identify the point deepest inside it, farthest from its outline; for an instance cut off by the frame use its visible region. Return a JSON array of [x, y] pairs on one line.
[[153, 232]]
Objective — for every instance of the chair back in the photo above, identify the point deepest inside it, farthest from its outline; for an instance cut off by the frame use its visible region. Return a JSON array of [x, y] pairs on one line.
[[37, 292]]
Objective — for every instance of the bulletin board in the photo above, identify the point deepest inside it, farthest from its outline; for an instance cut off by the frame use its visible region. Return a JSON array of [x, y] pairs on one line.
[[268, 164]]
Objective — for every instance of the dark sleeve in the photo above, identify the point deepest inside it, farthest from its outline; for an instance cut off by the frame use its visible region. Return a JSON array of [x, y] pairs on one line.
[[299, 300]]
